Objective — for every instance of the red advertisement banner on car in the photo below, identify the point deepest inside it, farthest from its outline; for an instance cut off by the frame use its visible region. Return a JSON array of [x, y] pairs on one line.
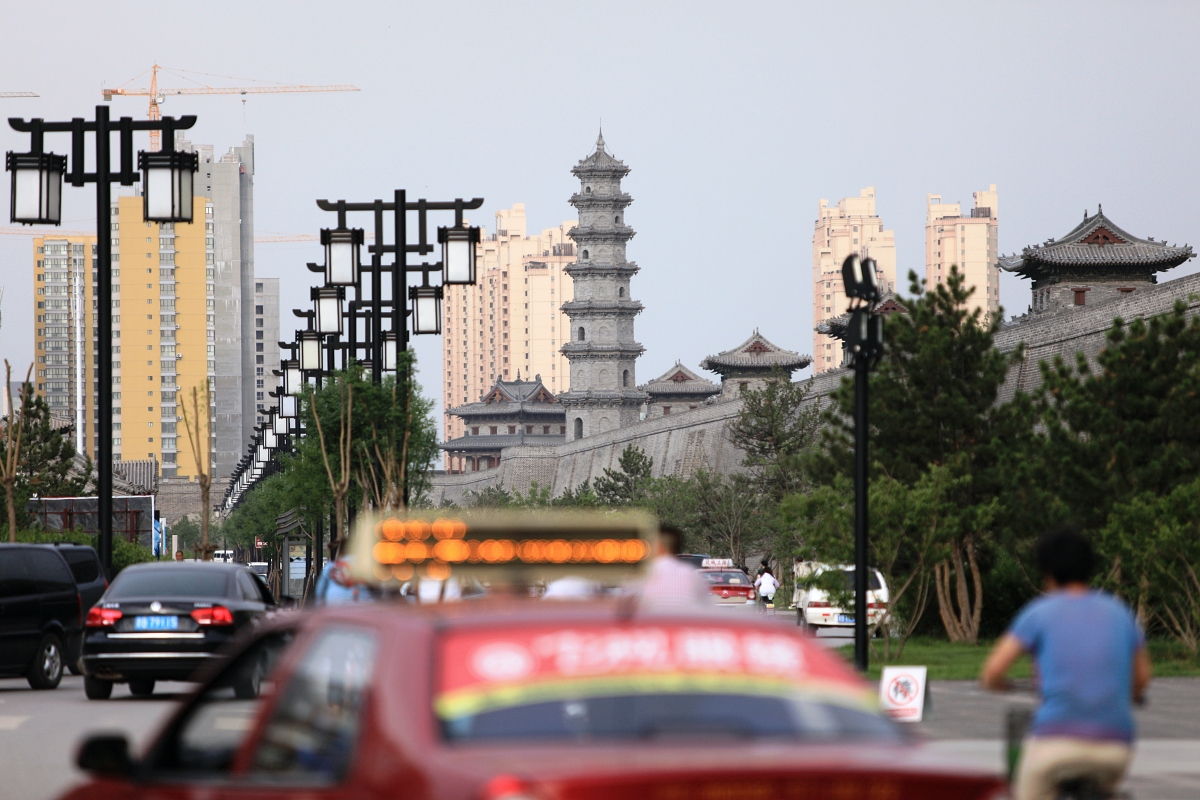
[[484, 668]]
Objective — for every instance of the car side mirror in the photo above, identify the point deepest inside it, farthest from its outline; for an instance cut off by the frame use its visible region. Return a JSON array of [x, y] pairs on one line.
[[105, 754]]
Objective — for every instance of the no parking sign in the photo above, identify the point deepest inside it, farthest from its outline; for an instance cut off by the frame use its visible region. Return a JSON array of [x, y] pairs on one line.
[[902, 693]]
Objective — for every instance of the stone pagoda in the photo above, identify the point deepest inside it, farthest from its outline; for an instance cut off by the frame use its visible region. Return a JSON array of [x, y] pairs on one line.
[[603, 392], [1096, 261], [751, 364]]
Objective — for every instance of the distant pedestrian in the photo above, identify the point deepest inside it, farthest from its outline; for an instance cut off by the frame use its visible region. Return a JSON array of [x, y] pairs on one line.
[[672, 584], [179, 555], [766, 584]]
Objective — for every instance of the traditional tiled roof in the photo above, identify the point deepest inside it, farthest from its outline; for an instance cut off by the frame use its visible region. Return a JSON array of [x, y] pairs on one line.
[[756, 354], [600, 161], [1096, 246], [142, 474], [679, 380], [513, 397], [836, 326], [499, 441]]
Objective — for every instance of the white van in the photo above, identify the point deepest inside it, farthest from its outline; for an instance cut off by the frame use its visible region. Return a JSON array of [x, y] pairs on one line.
[[813, 609], [225, 556]]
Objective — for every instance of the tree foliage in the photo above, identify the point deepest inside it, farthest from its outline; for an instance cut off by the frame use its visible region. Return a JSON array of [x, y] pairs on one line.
[[774, 428]]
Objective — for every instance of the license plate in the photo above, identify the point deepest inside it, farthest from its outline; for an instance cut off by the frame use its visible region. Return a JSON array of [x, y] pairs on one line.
[[169, 623], [845, 618]]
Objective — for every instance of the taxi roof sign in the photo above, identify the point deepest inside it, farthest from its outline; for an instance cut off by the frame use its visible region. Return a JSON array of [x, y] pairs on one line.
[[505, 546], [710, 563]]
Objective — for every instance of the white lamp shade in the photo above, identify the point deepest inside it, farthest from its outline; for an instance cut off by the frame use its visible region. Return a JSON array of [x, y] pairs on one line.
[[37, 180], [458, 254], [391, 349], [280, 425], [310, 351], [293, 379], [270, 440], [287, 406], [426, 309], [342, 255], [328, 303], [261, 455], [167, 185]]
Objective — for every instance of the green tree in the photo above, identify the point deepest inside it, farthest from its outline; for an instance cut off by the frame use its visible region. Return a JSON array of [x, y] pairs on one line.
[[36, 459], [934, 403], [1123, 453], [627, 485], [774, 427]]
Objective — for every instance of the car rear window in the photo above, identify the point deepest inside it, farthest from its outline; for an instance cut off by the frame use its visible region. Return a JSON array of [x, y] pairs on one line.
[[731, 578], [648, 682], [48, 570], [169, 582], [83, 563], [872, 580]]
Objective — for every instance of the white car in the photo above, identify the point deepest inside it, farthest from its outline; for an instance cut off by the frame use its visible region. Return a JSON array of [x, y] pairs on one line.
[[813, 609]]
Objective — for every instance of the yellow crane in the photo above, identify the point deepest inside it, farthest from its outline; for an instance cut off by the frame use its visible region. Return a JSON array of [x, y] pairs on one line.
[[158, 95]]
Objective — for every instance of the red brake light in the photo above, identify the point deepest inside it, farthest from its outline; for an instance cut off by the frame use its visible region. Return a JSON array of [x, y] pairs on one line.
[[876, 605], [507, 787], [818, 604], [98, 617], [217, 615], [750, 595]]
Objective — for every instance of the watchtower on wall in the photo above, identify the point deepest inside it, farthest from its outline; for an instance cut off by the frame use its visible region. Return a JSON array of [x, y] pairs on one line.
[[602, 351]]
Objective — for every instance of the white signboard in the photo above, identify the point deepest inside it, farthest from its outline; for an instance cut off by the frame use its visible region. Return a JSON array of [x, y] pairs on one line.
[[902, 693]]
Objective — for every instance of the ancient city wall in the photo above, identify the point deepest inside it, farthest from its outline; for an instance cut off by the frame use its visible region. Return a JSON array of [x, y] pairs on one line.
[[681, 444]]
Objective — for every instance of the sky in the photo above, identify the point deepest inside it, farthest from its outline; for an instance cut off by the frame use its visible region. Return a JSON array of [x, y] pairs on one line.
[[736, 119]]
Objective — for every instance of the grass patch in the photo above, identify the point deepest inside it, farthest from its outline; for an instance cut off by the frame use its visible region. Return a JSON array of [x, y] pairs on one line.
[[948, 661]]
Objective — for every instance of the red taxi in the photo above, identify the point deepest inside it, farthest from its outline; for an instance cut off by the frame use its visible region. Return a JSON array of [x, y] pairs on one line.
[[511, 699], [728, 584], [484, 701]]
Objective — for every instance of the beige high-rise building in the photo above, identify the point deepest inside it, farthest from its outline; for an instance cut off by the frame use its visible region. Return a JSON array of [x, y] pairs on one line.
[[852, 226], [510, 321], [968, 242]]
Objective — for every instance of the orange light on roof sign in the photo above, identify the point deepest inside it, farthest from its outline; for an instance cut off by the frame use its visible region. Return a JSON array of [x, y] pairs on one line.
[[538, 546]]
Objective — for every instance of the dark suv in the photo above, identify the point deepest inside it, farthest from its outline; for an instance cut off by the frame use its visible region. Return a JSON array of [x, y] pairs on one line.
[[89, 577], [41, 613]]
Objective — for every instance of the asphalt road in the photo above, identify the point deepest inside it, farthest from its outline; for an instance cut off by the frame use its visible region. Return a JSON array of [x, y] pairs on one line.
[[39, 731]]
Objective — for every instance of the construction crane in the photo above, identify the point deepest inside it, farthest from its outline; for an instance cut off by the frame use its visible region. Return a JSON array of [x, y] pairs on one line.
[[18, 94], [158, 95], [53, 233], [275, 238]]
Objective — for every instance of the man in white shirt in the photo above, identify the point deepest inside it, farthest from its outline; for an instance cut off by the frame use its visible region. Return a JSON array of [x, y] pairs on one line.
[[672, 584]]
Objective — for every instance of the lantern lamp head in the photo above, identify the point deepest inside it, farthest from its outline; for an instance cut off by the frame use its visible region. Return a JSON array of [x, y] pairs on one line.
[[342, 255], [458, 254], [310, 350], [167, 185], [37, 180], [426, 308], [328, 303]]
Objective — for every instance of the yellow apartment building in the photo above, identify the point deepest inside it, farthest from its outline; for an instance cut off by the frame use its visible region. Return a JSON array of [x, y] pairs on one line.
[[510, 321], [851, 226], [970, 242]]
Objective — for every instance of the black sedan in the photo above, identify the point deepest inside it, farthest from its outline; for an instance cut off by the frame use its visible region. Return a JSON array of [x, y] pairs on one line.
[[165, 620]]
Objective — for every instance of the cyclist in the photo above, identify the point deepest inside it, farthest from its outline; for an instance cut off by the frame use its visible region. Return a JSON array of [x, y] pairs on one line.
[[1090, 656]]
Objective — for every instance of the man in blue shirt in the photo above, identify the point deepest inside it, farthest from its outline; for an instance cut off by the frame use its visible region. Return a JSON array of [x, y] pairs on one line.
[[1090, 658]]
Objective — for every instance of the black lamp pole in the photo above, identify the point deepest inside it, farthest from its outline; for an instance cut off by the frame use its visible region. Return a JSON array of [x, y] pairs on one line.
[[864, 336], [103, 177]]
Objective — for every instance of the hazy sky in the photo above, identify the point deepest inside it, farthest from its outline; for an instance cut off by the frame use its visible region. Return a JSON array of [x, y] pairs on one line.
[[736, 118]]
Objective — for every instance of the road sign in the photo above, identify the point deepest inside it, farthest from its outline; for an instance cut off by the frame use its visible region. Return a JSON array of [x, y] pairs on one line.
[[902, 693]]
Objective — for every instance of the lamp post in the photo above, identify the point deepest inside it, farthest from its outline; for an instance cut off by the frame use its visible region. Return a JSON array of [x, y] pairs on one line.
[[865, 339], [37, 179]]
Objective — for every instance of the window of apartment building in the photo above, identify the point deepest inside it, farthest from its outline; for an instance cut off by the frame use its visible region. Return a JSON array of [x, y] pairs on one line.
[[258, 323], [258, 334], [258, 346], [258, 309], [258, 287]]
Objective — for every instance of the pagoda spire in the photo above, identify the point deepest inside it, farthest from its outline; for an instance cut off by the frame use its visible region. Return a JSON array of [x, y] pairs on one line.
[[600, 142]]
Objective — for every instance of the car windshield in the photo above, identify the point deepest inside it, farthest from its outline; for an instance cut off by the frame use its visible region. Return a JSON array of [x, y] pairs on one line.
[[730, 578], [169, 582], [647, 682]]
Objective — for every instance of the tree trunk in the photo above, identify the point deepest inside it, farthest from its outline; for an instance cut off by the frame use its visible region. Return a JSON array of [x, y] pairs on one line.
[[10, 497], [960, 617]]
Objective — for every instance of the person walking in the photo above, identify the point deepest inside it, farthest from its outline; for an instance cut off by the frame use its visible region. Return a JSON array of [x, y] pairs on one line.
[[1092, 665], [672, 584], [766, 584]]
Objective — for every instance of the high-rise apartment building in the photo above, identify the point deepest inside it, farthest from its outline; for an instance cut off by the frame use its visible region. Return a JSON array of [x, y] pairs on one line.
[[968, 242], [183, 305], [510, 321], [852, 226], [266, 344]]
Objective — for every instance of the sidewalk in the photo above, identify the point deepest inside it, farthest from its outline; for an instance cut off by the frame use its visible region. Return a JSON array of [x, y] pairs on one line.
[[966, 724]]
